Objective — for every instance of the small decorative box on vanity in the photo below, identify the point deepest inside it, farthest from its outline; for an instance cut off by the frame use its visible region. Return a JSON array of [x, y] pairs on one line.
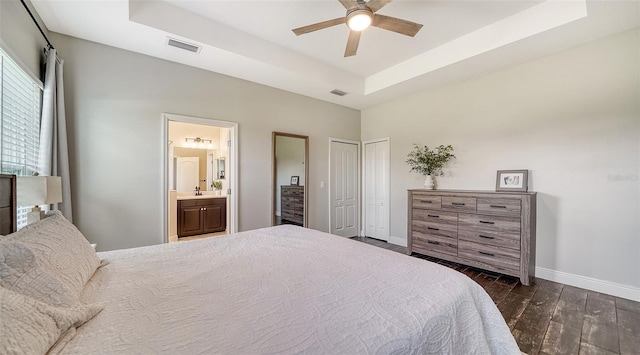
[[494, 231]]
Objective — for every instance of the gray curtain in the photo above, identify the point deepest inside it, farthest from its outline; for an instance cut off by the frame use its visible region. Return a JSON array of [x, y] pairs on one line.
[[54, 154]]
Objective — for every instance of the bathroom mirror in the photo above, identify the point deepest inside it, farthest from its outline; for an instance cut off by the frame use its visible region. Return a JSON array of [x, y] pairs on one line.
[[289, 164], [220, 173]]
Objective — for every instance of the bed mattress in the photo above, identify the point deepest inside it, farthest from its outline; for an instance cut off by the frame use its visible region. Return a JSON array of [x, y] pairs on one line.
[[288, 290]]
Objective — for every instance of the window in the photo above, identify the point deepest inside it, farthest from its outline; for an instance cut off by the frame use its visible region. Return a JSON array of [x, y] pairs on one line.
[[20, 106]]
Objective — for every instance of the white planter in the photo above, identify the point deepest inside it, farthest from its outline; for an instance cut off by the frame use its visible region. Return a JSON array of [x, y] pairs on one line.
[[428, 183]]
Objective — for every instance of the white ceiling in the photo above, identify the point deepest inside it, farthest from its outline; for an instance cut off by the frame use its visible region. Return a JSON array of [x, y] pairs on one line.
[[252, 40]]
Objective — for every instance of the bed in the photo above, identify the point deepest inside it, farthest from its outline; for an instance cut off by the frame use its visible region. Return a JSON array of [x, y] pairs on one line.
[[284, 289]]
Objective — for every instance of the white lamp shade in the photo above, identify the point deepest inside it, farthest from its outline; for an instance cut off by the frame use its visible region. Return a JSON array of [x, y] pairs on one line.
[[39, 190]]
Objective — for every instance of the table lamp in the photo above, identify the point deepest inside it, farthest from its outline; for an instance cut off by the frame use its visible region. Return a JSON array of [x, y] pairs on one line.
[[38, 190]]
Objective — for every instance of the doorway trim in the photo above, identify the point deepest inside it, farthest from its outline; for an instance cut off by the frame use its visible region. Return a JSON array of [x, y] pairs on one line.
[[364, 178], [359, 180], [233, 183]]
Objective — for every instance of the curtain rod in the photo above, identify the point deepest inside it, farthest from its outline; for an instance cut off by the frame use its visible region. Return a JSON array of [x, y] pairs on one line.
[[49, 45]]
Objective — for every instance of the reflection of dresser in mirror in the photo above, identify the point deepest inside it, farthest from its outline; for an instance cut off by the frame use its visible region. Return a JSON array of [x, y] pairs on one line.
[[292, 204]]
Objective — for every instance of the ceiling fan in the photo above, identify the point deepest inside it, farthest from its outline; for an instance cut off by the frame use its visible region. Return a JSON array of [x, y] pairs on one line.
[[361, 15]]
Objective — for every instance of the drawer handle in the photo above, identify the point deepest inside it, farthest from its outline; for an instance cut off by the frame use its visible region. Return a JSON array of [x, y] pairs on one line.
[[432, 242], [497, 206], [433, 229], [457, 204], [487, 254], [425, 201], [486, 236], [433, 215], [486, 222]]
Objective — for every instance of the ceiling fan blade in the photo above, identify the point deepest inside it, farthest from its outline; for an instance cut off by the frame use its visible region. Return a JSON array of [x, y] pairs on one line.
[[376, 5], [349, 4], [352, 43], [318, 26], [397, 25]]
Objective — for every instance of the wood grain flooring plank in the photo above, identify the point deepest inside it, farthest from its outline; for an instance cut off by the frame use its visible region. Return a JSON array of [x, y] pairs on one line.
[[629, 345], [561, 340], [498, 292], [629, 322], [526, 291], [627, 305], [601, 334], [512, 307], [569, 314], [588, 349], [574, 295], [602, 309]]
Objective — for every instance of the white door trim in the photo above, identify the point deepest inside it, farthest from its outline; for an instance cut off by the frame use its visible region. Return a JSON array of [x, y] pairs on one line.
[[364, 177], [359, 179], [233, 184]]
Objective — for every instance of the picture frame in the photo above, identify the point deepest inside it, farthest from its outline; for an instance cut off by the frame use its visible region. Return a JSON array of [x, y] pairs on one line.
[[295, 180], [512, 180]]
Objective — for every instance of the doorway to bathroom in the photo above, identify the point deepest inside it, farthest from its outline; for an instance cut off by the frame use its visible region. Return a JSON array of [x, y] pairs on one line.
[[200, 177]]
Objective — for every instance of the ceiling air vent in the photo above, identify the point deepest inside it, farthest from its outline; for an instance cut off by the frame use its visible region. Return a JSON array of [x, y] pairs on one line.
[[338, 92], [183, 45]]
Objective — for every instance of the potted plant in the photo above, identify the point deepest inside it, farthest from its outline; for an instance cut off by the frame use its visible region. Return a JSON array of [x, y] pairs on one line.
[[429, 162], [217, 186]]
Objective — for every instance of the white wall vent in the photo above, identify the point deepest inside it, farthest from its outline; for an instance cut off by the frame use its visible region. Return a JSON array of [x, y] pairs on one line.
[[183, 45], [338, 92]]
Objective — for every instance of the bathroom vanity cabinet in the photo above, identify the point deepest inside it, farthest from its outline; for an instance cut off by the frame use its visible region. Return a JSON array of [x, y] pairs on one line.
[[202, 216]]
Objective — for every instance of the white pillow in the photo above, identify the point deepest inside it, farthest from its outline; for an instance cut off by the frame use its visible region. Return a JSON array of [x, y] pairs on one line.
[[60, 249], [21, 271], [29, 326]]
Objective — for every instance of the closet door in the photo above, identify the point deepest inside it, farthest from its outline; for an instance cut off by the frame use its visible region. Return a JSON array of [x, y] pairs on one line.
[[376, 181], [344, 188]]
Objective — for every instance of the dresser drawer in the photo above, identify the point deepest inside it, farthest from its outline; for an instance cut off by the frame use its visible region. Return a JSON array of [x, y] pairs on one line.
[[450, 218], [505, 240], [427, 201], [435, 243], [499, 206], [435, 228], [458, 204], [483, 223], [499, 259]]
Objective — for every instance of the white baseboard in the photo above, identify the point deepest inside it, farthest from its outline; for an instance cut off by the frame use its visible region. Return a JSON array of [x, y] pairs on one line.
[[610, 288], [398, 241]]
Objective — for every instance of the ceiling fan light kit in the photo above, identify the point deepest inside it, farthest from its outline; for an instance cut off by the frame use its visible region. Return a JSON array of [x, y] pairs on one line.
[[360, 19], [360, 15]]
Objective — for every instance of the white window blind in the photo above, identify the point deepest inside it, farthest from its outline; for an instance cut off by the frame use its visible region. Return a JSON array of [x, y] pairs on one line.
[[20, 105]]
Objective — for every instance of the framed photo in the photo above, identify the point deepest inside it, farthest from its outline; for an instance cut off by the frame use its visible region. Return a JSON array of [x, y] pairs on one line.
[[294, 180], [512, 180]]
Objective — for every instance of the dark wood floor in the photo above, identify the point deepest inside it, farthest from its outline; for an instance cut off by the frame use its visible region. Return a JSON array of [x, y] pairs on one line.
[[552, 318]]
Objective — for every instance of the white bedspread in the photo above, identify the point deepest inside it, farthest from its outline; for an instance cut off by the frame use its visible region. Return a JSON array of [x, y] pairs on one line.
[[285, 290]]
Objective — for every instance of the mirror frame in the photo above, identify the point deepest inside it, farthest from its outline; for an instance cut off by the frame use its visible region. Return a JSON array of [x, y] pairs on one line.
[[274, 135]]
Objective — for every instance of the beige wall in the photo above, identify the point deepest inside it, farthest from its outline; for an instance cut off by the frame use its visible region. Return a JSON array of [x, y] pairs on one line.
[[115, 100], [572, 119], [21, 35]]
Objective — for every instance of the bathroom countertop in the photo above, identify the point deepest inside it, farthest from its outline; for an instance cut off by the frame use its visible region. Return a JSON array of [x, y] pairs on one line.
[[193, 197]]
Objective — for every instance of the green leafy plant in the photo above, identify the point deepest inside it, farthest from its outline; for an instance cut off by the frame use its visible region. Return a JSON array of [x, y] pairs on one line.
[[216, 184], [429, 162]]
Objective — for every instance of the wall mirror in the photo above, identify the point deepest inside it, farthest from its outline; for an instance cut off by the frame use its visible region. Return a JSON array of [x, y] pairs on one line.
[[290, 165]]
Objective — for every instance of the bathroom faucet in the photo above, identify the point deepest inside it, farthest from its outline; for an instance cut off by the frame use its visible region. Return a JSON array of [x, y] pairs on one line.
[[198, 193]]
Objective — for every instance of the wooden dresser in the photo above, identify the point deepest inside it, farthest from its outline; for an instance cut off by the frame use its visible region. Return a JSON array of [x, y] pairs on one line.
[[292, 204], [494, 231]]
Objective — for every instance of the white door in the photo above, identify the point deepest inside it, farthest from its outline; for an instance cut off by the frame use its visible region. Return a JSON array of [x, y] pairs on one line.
[[187, 174], [343, 186], [376, 190]]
